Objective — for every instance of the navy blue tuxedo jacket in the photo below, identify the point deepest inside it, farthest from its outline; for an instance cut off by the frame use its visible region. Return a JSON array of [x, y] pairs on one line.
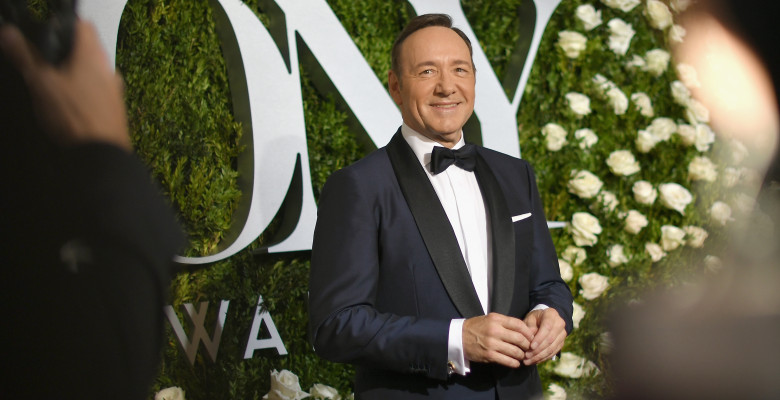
[[387, 275]]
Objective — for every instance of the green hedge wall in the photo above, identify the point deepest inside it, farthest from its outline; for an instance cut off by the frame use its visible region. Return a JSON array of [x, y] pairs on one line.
[[181, 117]]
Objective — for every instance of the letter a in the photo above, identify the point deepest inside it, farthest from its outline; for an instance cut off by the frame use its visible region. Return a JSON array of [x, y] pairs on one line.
[[275, 341]]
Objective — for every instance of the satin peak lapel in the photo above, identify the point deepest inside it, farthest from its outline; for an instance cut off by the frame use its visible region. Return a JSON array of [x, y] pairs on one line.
[[434, 227], [503, 238]]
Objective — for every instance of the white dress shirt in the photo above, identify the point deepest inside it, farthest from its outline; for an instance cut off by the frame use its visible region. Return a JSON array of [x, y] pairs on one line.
[[459, 194]]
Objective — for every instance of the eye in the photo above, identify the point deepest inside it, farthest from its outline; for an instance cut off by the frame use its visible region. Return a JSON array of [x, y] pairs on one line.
[[428, 71]]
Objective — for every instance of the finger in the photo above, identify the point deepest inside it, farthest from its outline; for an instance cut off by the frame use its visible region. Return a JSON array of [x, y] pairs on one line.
[[550, 325], [510, 330], [505, 360], [519, 326], [542, 338], [532, 321], [16, 48], [546, 353]]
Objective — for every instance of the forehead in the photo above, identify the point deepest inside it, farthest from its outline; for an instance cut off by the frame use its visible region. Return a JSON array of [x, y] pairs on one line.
[[434, 42]]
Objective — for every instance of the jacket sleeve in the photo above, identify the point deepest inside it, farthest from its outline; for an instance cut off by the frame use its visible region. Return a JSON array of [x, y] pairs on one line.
[[344, 323], [546, 285]]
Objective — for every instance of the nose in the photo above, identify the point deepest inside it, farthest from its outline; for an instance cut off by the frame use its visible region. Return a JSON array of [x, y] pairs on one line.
[[445, 85]]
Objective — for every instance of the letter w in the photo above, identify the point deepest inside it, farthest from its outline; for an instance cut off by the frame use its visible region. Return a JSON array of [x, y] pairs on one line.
[[198, 319]]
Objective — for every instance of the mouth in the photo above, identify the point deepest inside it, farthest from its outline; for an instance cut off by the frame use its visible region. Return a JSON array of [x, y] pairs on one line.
[[445, 106]]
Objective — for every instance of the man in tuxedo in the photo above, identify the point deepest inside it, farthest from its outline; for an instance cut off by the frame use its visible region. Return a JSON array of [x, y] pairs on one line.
[[433, 270]]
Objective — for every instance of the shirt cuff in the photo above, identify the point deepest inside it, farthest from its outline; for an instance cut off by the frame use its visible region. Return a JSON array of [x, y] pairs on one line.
[[539, 307], [455, 357]]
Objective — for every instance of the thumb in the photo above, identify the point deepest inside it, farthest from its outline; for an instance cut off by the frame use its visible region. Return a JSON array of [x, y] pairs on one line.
[[532, 321]]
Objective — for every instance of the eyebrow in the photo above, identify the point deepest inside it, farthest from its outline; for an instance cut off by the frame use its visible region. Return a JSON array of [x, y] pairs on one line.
[[433, 64]]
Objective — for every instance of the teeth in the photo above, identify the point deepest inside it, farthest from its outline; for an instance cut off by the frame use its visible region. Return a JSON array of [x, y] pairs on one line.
[[447, 106]]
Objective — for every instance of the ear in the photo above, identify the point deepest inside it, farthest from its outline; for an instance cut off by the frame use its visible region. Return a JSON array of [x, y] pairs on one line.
[[394, 85]]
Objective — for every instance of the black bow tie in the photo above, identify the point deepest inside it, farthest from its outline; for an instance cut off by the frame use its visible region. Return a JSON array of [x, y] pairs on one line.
[[442, 157]]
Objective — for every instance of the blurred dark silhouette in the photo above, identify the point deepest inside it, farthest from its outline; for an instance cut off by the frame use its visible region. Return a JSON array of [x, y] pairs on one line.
[[87, 239]]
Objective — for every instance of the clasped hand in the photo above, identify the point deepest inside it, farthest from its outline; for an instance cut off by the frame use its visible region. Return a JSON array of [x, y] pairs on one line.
[[508, 341]]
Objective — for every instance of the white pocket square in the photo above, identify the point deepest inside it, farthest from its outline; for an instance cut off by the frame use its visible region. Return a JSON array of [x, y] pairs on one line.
[[520, 217]]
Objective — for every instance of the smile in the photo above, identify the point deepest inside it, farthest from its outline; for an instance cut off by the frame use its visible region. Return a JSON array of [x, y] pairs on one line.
[[451, 105]]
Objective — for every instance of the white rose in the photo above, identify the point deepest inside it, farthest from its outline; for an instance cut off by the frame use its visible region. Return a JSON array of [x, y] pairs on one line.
[[659, 15], [680, 93], [620, 36], [622, 162], [320, 391], [696, 236], [702, 169], [704, 137], [579, 103], [738, 151], [688, 75], [616, 255], [285, 386], [589, 16], [555, 392], [618, 100], [672, 237], [584, 228], [593, 285], [634, 222], [645, 141], [720, 212], [586, 137], [603, 83], [637, 62], [662, 128], [622, 5], [657, 61], [644, 192], [680, 5], [574, 255], [731, 177], [643, 104], [687, 134], [677, 34], [566, 270], [712, 263], [572, 43], [555, 136], [584, 184], [573, 366], [655, 251], [607, 200], [675, 197], [697, 112], [171, 393]]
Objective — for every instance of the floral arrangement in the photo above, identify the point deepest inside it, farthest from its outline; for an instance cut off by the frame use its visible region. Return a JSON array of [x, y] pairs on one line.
[[625, 155], [285, 386]]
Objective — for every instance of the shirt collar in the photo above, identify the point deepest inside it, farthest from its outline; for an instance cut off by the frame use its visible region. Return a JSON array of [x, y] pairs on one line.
[[423, 146]]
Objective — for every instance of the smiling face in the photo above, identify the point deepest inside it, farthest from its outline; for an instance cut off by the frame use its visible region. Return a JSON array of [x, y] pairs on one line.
[[434, 86]]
